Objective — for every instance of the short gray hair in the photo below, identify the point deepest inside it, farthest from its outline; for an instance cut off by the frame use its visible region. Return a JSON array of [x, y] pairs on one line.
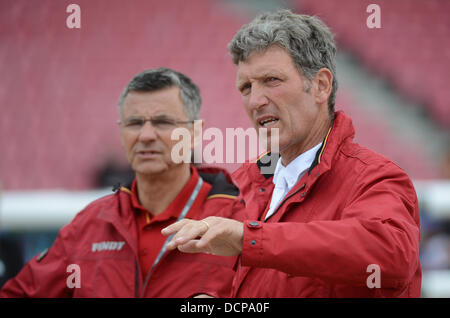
[[306, 38], [157, 79]]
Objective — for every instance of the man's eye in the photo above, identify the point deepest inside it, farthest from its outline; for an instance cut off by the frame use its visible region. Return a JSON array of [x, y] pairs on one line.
[[163, 122], [245, 89], [134, 123], [271, 79]]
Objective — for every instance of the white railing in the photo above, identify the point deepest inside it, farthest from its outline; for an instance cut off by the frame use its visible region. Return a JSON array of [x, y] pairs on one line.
[[43, 210]]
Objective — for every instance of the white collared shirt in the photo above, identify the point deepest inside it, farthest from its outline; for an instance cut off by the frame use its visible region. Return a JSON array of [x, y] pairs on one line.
[[285, 178]]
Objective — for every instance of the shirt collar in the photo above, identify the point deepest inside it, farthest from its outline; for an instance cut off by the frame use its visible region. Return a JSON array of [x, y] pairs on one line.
[[292, 172], [175, 207]]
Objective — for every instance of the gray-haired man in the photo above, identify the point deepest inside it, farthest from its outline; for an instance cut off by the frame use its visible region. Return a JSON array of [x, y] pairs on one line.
[[333, 219]]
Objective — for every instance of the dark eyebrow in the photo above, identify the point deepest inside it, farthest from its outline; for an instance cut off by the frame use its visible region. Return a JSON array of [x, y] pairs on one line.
[[162, 116], [271, 73]]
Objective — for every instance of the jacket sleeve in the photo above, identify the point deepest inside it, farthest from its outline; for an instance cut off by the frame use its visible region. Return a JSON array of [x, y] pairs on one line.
[[378, 225], [43, 276]]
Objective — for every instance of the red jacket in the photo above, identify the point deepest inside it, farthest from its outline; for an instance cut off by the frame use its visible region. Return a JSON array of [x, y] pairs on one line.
[[102, 241], [353, 208]]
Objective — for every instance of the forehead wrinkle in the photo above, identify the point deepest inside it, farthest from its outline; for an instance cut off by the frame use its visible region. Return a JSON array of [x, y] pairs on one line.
[[258, 75]]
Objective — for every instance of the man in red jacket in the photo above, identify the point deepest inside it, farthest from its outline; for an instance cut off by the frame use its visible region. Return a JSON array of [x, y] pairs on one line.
[[326, 217], [114, 247]]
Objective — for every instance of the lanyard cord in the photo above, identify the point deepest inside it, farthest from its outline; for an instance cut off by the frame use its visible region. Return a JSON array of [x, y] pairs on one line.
[[182, 215]]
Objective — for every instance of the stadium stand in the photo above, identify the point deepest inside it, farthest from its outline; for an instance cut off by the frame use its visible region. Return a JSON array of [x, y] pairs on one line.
[[411, 48], [60, 86]]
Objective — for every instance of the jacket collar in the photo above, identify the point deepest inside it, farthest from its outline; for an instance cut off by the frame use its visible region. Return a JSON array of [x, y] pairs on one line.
[[340, 130], [220, 180], [290, 174]]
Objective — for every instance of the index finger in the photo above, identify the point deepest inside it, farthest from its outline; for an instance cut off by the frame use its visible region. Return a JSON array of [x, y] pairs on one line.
[[173, 228]]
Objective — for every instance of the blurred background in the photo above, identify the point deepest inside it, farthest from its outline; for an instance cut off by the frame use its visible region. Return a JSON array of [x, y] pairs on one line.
[[59, 87]]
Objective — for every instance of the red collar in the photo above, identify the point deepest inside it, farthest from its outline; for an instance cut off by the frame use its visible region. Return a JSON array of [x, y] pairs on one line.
[[174, 209]]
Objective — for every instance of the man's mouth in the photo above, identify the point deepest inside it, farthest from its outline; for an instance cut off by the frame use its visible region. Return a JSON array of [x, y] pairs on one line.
[[148, 153], [268, 121]]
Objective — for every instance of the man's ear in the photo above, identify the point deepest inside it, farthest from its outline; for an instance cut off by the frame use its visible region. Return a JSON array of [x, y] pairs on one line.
[[323, 83]]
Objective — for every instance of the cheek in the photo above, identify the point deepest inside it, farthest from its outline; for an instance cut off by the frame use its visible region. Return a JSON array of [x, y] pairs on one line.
[[302, 123], [292, 125], [166, 144], [128, 143]]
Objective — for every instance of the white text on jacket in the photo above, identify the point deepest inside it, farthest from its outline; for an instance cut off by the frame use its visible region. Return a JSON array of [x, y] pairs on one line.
[[107, 246]]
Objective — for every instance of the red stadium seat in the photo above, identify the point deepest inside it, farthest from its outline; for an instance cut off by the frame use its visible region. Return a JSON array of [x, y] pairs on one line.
[[413, 34]]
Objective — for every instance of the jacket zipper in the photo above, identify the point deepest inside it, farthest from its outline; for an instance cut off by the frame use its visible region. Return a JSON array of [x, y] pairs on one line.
[[147, 278], [284, 200], [149, 274]]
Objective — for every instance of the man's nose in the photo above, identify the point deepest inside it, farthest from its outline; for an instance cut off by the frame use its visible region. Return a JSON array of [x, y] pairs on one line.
[[147, 132], [258, 97]]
